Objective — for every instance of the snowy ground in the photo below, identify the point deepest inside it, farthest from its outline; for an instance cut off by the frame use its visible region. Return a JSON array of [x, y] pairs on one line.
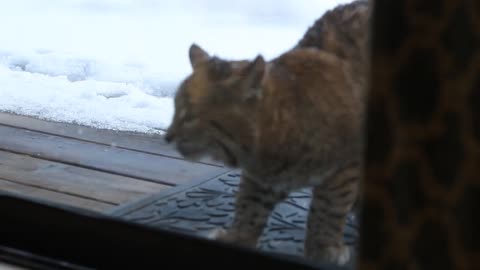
[[116, 63]]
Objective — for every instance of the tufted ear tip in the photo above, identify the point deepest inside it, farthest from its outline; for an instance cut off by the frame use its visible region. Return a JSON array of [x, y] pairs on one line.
[[259, 62], [197, 55], [254, 77], [256, 71]]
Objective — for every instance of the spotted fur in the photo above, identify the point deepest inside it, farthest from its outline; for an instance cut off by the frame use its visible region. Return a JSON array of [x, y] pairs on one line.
[[293, 122]]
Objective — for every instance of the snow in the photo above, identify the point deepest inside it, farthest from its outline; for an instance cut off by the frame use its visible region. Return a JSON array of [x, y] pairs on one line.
[[116, 64]]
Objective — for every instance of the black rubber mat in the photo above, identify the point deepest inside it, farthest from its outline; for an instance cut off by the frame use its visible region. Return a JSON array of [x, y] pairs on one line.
[[200, 207]]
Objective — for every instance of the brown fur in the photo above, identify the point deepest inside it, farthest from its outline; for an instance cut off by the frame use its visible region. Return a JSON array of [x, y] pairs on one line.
[[291, 123], [343, 32]]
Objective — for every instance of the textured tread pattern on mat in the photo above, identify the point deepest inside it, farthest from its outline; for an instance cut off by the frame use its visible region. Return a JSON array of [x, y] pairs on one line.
[[203, 206]]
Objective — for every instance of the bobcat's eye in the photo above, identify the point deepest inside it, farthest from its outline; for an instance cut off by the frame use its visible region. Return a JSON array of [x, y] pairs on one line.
[[182, 114], [190, 122], [186, 119]]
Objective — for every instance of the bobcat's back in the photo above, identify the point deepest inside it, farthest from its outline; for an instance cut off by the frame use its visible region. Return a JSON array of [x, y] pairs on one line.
[[343, 31]]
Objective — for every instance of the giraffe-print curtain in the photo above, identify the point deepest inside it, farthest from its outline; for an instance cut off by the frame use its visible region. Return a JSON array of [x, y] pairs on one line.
[[422, 180]]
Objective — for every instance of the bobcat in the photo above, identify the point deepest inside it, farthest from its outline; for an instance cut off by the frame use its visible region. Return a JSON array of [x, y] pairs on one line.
[[293, 122]]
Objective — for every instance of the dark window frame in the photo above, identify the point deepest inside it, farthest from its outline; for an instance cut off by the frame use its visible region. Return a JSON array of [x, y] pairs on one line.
[[40, 235]]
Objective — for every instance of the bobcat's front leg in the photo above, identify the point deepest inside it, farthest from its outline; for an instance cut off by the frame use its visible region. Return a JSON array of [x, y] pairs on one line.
[[253, 206], [330, 205]]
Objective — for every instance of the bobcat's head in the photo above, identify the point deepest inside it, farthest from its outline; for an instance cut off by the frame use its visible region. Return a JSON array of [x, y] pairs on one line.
[[214, 107]]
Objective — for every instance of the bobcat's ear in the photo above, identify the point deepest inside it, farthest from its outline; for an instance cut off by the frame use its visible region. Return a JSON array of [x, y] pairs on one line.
[[254, 77], [197, 55]]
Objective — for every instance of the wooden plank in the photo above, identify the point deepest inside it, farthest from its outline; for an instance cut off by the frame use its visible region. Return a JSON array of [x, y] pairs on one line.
[[55, 197], [148, 143], [73, 180], [145, 166]]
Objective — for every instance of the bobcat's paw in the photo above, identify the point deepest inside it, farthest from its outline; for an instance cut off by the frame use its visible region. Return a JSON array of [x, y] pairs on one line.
[[339, 255], [230, 236], [217, 234]]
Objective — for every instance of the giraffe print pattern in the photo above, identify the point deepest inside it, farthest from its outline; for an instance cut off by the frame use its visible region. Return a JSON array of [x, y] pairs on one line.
[[421, 205]]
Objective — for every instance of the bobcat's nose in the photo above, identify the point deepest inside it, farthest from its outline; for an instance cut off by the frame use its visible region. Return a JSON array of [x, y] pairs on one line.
[[169, 137]]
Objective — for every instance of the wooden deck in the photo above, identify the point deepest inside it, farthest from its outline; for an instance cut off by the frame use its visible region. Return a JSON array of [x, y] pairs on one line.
[[89, 168]]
